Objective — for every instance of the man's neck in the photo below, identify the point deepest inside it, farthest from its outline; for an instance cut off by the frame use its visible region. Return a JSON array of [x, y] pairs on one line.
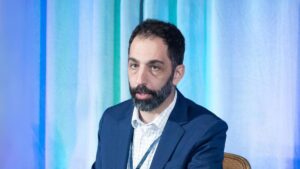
[[149, 116]]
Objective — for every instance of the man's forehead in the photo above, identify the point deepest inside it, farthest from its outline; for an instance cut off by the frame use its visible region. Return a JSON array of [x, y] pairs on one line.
[[145, 50], [152, 38]]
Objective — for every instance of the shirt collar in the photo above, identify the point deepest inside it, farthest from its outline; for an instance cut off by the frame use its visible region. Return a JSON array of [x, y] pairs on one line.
[[159, 122]]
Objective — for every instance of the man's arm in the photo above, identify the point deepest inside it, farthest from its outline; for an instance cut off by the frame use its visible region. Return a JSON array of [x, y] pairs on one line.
[[210, 154], [97, 163]]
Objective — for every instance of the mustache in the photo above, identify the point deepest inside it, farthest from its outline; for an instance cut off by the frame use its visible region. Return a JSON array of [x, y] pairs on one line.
[[142, 89]]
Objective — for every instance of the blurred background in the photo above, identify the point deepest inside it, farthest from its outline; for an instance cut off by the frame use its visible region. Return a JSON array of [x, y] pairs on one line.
[[62, 62]]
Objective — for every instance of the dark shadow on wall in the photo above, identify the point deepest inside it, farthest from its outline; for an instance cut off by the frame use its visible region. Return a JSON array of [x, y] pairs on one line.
[[141, 11], [41, 144]]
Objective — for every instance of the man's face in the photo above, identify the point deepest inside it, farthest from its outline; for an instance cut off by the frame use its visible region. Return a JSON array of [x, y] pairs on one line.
[[149, 72]]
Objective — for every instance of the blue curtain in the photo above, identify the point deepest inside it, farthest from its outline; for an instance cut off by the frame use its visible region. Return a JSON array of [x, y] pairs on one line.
[[63, 62]]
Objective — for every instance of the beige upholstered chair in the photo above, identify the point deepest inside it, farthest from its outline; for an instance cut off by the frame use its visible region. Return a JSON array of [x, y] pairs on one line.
[[233, 161]]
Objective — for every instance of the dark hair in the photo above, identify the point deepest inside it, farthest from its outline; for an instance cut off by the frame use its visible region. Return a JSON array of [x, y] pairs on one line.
[[170, 34]]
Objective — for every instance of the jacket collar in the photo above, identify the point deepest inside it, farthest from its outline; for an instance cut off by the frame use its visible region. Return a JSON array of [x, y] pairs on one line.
[[179, 113], [172, 133]]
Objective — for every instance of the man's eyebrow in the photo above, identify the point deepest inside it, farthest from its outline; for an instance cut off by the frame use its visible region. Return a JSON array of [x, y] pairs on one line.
[[132, 59], [156, 61], [150, 62]]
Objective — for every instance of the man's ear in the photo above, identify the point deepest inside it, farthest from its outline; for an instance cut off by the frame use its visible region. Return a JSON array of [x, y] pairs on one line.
[[178, 74]]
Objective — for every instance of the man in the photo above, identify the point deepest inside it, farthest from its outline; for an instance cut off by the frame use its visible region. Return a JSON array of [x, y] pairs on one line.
[[158, 128]]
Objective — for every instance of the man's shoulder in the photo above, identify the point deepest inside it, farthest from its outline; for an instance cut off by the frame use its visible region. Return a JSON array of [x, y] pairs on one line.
[[122, 105], [200, 115], [119, 110]]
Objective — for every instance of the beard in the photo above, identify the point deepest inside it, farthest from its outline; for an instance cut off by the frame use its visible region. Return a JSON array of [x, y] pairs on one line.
[[156, 99]]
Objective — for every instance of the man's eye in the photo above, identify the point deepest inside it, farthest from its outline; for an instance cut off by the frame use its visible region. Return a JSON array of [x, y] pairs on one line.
[[155, 68], [133, 66]]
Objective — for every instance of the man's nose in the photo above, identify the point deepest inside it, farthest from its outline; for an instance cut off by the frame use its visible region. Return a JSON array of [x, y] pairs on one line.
[[142, 76]]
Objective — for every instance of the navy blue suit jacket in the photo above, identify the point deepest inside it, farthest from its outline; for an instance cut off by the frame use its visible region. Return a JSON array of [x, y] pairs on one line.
[[192, 138]]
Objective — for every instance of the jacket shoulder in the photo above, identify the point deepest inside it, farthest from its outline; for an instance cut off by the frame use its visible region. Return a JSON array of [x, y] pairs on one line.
[[119, 110], [200, 115]]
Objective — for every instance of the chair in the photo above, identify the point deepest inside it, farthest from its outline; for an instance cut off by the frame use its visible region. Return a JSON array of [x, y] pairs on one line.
[[233, 161]]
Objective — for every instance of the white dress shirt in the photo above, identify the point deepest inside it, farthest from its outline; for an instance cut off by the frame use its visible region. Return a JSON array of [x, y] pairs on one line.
[[145, 134]]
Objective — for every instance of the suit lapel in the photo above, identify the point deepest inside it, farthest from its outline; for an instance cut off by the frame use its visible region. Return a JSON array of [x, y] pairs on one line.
[[172, 133], [123, 139]]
